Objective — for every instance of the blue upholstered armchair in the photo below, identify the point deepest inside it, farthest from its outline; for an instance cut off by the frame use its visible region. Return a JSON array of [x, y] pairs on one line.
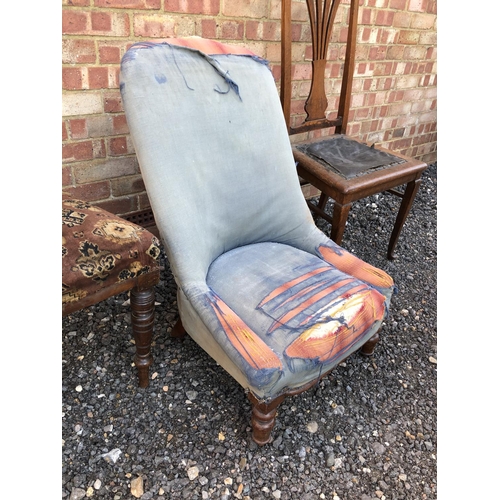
[[260, 288]]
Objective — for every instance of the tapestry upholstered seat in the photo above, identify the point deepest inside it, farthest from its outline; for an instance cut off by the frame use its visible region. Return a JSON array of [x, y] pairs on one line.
[[104, 255], [260, 288]]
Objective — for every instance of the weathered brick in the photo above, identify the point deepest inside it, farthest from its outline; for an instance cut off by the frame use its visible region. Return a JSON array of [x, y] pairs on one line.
[[67, 178], [72, 79], [208, 28], [76, 3], [245, 8], [98, 77], [185, 26], [77, 151], [423, 21], [402, 19], [99, 148], [257, 30], [384, 17], [127, 185], [378, 52], [395, 52], [109, 54], [366, 16], [207, 7], [383, 68], [361, 113], [397, 4], [409, 37], [113, 103], [81, 103], [101, 21], [78, 128], [389, 35], [417, 5], [74, 21], [110, 23], [395, 96], [428, 38], [232, 30], [90, 192], [414, 52], [118, 146], [78, 51], [301, 71], [120, 124], [120, 206], [154, 26], [128, 4], [99, 170], [143, 201]]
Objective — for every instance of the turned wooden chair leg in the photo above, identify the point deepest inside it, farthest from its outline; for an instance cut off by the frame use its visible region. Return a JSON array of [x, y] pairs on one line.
[[406, 203], [178, 330], [142, 303], [339, 219], [369, 347], [263, 418]]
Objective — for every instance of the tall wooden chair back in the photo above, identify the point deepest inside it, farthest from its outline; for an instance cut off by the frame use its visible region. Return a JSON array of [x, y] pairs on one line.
[[322, 14], [340, 167]]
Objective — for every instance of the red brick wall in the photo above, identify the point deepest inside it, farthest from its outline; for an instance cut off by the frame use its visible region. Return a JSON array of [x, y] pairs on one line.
[[394, 90]]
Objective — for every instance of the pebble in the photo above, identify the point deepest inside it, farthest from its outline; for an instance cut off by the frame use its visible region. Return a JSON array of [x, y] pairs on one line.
[[137, 487], [112, 456], [193, 472], [312, 427], [191, 395], [77, 494], [378, 448]]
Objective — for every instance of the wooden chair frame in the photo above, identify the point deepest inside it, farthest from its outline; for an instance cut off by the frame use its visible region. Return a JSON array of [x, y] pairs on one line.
[[342, 191]]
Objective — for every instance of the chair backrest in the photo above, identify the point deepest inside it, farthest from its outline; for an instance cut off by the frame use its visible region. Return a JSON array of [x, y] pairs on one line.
[[213, 149], [322, 15]]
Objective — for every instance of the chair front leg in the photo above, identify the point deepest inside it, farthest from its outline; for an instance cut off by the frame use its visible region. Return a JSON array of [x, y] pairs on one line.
[[369, 347], [339, 220], [263, 418], [406, 204], [142, 303]]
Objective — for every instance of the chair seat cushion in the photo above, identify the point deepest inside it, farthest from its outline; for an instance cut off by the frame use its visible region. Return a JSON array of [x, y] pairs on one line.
[[348, 157], [100, 249], [288, 314]]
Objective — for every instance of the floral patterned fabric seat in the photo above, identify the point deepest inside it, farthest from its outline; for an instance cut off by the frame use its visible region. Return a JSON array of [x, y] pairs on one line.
[[104, 255]]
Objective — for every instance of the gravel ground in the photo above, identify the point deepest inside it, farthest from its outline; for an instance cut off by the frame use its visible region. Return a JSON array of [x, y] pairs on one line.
[[367, 431]]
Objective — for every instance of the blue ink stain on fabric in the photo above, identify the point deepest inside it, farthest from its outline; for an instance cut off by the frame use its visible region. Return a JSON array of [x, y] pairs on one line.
[[160, 78]]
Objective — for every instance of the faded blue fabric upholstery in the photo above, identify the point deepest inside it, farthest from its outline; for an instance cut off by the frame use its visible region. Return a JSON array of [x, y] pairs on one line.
[[261, 289]]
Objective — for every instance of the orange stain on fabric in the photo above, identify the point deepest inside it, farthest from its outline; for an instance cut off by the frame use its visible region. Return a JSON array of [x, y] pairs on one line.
[[350, 264], [246, 342], [348, 321]]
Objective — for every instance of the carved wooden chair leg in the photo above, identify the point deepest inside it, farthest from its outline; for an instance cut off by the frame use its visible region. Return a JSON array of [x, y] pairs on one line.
[[263, 418], [369, 347], [142, 303], [178, 330], [406, 204]]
